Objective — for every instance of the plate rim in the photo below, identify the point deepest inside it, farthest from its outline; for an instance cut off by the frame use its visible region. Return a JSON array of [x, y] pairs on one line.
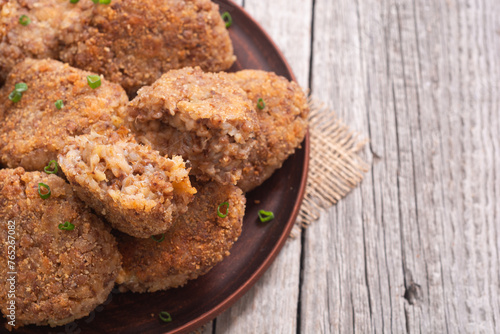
[[224, 304], [257, 274], [243, 289]]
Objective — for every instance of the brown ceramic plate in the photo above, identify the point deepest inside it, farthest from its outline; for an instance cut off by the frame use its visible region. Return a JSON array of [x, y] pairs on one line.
[[203, 299]]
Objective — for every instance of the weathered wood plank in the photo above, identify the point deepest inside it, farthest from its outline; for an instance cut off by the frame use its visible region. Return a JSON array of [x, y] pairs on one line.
[[336, 291], [471, 274], [289, 25], [271, 305], [431, 175], [415, 248]]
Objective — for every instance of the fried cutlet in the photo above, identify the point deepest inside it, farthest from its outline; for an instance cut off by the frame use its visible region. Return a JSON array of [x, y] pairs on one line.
[[136, 189], [282, 111], [61, 274], [130, 42], [232, 127], [133, 42], [203, 117], [198, 240], [39, 36], [33, 130]]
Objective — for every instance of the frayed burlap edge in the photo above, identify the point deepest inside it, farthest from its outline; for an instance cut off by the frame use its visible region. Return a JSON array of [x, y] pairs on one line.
[[335, 167]]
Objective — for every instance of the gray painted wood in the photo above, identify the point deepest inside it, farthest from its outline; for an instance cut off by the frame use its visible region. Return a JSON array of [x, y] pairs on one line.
[[415, 248]]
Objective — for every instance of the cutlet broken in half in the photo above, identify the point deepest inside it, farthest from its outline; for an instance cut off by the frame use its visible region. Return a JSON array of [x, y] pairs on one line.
[[138, 191], [203, 117]]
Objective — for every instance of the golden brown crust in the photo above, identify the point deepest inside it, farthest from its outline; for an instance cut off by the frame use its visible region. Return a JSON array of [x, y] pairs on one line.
[[138, 191], [61, 275], [198, 240], [130, 42], [33, 130], [133, 42], [202, 116], [212, 120], [40, 38], [283, 123]]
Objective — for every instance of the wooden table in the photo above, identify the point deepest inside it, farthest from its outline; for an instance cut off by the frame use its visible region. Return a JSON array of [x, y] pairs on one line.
[[415, 248]]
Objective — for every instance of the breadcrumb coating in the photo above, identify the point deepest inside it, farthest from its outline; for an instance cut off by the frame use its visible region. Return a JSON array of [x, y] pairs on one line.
[[40, 38], [202, 116], [282, 121], [34, 130], [198, 241], [130, 42], [62, 275], [138, 191], [212, 120], [133, 42]]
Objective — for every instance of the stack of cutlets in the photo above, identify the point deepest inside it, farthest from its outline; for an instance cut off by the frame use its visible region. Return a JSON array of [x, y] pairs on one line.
[[147, 193]]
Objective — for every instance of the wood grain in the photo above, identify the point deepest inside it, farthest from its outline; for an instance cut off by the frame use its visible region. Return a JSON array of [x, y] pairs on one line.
[[264, 309], [415, 248]]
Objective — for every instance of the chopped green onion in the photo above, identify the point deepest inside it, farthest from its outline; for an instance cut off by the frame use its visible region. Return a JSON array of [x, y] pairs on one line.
[[95, 1], [49, 166], [17, 93], [104, 2], [261, 104], [15, 96], [165, 316], [265, 216], [43, 196], [94, 81], [74, 1], [226, 17], [21, 87], [24, 20], [67, 226], [160, 239], [59, 104], [220, 214]]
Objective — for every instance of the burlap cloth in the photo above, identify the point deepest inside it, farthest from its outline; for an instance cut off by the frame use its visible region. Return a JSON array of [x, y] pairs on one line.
[[335, 167]]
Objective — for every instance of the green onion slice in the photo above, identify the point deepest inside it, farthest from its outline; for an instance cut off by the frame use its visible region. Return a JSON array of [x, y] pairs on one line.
[[43, 185], [165, 316], [59, 104], [17, 93], [24, 20], [265, 216], [220, 214], [21, 87], [15, 96], [74, 1], [158, 239], [95, 1], [52, 165], [261, 104], [67, 226], [94, 81], [104, 2], [226, 17]]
